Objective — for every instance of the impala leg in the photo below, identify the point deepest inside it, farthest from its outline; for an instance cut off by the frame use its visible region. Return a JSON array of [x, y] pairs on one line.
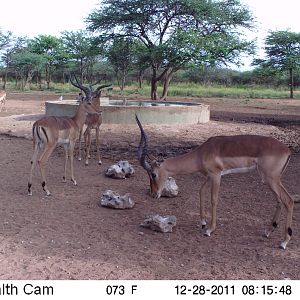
[[66, 163], [87, 140], [33, 163], [284, 199], [79, 150], [289, 205], [42, 161], [72, 146], [215, 187], [202, 196], [97, 145], [275, 187]]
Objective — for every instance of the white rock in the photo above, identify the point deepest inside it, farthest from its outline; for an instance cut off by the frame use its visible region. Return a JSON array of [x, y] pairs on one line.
[[170, 189], [121, 170], [160, 223], [114, 200]]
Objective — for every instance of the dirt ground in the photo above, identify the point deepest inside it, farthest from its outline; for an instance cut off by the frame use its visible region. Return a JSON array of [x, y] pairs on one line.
[[70, 236]]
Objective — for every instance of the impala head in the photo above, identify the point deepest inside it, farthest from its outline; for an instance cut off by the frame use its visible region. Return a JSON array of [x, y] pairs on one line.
[[97, 92], [155, 169], [86, 99]]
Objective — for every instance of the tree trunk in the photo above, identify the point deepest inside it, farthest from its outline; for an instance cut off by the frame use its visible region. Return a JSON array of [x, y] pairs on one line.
[[154, 83], [5, 78], [291, 84], [140, 78], [47, 77], [154, 89], [167, 81], [81, 71], [123, 80]]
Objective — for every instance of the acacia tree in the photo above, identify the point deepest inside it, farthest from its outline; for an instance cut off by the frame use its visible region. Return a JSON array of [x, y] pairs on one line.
[[52, 49], [81, 48], [121, 54], [6, 40], [26, 64], [282, 53], [175, 32]]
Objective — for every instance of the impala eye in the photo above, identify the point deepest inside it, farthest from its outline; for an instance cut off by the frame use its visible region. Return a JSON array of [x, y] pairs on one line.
[[153, 175]]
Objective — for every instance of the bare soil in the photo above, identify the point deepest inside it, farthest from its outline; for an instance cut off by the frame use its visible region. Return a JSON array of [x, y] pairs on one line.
[[70, 236]]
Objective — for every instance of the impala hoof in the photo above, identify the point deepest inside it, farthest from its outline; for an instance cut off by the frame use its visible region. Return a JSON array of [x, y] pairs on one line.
[[99, 162], [208, 232], [203, 224], [79, 158], [283, 245], [266, 234]]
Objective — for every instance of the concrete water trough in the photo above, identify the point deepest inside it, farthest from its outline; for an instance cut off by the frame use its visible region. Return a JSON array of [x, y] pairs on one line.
[[121, 112]]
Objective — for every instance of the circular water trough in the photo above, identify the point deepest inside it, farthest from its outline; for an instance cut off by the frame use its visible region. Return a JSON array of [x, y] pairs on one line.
[[118, 112]]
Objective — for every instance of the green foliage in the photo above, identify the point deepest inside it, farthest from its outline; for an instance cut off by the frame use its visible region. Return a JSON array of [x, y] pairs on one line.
[[213, 90], [283, 54], [121, 54], [82, 48], [52, 50], [176, 32], [5, 39], [283, 50]]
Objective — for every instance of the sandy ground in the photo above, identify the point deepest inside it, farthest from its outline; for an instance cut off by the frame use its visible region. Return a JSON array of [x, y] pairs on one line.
[[69, 236]]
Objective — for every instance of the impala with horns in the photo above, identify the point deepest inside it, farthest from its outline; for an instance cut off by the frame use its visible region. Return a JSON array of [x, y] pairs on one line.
[[2, 99], [50, 131], [92, 121], [223, 155]]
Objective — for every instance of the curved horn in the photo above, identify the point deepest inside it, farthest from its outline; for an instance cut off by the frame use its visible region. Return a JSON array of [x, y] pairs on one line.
[[142, 150], [86, 90], [99, 88]]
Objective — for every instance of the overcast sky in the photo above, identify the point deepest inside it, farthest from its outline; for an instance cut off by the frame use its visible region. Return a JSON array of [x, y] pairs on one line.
[[33, 17]]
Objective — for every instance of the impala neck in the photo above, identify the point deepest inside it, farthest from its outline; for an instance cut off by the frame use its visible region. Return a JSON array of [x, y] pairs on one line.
[[182, 164], [96, 102], [80, 116]]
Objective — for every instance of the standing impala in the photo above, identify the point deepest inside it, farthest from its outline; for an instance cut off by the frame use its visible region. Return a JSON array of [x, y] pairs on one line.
[[92, 121], [222, 155], [50, 131], [2, 99]]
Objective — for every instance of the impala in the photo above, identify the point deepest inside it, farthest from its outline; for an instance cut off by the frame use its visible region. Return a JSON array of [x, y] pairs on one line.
[[2, 99], [50, 131], [221, 155], [92, 122]]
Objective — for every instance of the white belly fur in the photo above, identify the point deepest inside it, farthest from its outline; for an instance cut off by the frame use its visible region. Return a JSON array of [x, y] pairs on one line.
[[238, 170], [63, 141]]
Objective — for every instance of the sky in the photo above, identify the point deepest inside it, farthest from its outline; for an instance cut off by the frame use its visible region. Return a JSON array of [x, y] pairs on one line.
[[34, 17]]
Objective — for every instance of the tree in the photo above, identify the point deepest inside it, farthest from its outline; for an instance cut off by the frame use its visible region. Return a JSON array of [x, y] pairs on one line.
[[282, 53], [81, 48], [121, 55], [6, 39], [51, 48], [175, 32], [25, 64]]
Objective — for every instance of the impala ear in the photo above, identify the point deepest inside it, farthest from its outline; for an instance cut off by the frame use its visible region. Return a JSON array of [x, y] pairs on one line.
[[157, 161]]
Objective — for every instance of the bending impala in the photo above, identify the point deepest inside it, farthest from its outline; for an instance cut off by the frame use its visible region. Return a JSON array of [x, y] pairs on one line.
[[2, 99], [50, 131], [222, 155], [92, 121]]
